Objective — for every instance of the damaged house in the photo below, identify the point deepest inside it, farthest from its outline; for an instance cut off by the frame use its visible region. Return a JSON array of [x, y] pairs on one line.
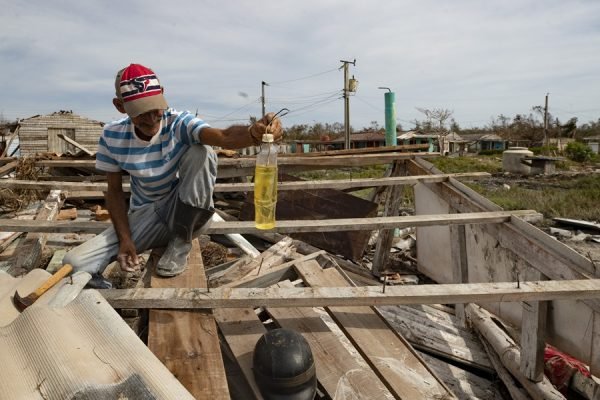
[[488, 295]]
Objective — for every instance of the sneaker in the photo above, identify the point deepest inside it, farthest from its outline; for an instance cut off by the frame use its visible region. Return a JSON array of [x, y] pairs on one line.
[[174, 260], [98, 282]]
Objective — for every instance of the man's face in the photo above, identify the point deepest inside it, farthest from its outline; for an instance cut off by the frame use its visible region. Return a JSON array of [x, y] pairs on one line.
[[148, 123]]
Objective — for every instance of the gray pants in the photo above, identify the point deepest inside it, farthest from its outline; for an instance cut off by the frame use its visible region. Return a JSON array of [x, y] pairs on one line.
[[152, 225]]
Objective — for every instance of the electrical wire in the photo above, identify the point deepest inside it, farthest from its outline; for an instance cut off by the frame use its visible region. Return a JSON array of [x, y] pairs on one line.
[[306, 109], [257, 100], [302, 78]]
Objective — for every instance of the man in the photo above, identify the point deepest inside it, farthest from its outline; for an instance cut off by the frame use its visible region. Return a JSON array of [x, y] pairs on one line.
[[172, 171]]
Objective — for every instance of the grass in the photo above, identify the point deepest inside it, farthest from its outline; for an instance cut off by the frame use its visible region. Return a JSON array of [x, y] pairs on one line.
[[566, 196], [453, 165]]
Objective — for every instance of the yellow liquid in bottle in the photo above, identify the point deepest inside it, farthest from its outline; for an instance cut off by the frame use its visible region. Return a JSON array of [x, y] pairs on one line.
[[265, 196]]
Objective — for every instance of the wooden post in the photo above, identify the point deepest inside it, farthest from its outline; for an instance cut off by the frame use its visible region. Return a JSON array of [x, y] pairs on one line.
[[392, 202], [460, 265], [533, 343]]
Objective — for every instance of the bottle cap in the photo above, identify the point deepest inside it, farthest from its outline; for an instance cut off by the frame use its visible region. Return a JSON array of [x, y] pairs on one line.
[[268, 138]]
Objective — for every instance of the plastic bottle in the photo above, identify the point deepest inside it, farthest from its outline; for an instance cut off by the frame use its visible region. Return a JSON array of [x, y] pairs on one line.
[[265, 184]]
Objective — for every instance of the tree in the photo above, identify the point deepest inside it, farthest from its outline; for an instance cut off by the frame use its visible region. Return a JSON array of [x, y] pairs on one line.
[[436, 118], [454, 127]]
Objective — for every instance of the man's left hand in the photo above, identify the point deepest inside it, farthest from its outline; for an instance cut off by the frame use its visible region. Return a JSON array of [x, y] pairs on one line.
[[267, 124]]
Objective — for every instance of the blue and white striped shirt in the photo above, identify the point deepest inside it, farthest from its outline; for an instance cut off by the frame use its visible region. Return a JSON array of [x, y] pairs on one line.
[[152, 165]]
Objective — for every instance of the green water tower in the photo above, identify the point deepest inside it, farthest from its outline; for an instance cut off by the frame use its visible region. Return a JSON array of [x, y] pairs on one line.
[[390, 117]]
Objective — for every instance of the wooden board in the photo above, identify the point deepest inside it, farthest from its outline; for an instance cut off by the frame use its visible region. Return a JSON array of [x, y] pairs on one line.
[[186, 341], [322, 225], [465, 385], [439, 333], [242, 329], [353, 296], [339, 184], [386, 352]]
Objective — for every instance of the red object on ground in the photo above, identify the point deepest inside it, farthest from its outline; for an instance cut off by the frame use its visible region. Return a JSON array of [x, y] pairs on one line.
[[560, 368]]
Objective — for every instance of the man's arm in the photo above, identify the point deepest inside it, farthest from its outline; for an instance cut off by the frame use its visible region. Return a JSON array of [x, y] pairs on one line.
[[117, 207], [240, 136]]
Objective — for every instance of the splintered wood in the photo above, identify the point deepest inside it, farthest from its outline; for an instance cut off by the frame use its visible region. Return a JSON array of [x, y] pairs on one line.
[[186, 341]]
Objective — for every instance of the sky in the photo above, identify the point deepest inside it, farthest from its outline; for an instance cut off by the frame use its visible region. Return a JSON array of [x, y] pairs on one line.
[[476, 58]]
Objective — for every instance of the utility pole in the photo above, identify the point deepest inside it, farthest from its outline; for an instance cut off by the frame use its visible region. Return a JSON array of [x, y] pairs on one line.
[[546, 122], [262, 98], [347, 102]]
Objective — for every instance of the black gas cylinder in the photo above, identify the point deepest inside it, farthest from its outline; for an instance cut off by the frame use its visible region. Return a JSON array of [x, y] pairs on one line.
[[284, 367]]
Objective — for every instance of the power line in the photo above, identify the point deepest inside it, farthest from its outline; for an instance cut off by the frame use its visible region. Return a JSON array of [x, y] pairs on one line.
[[304, 77], [257, 100], [311, 96], [310, 107]]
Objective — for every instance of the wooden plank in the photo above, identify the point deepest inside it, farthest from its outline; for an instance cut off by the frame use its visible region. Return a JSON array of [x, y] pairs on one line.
[[186, 341], [465, 385], [7, 169], [74, 143], [533, 337], [9, 142], [8, 241], [437, 332], [460, 266], [508, 352], [595, 350], [338, 371], [381, 149], [282, 160], [30, 250], [323, 225], [352, 296], [384, 240], [275, 255], [271, 274], [403, 373], [242, 329], [340, 184]]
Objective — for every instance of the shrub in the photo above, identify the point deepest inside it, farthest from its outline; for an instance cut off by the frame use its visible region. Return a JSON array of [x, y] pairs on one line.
[[544, 150], [490, 152], [579, 152]]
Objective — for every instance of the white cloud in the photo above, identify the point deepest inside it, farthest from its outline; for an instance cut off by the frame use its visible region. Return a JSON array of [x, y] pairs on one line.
[[477, 58]]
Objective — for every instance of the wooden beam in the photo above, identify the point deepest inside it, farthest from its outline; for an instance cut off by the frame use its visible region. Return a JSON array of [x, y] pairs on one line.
[[353, 296], [460, 265], [324, 225], [74, 143], [9, 142], [508, 353], [340, 184], [382, 149], [533, 337], [275, 255], [186, 341], [7, 169], [249, 162], [392, 203]]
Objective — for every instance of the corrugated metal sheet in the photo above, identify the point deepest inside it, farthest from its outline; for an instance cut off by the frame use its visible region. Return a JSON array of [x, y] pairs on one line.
[[83, 350]]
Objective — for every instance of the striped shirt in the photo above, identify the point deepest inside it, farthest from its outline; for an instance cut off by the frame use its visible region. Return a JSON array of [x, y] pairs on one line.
[[152, 165]]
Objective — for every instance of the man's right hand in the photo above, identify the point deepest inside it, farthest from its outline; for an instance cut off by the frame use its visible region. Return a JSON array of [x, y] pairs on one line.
[[127, 257]]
